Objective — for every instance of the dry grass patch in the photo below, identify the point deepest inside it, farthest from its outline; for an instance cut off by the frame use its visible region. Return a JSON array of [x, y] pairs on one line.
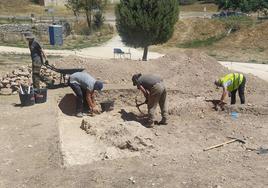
[[199, 7]]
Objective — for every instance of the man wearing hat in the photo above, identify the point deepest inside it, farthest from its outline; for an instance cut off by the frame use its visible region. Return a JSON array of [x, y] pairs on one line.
[[84, 86], [230, 84], [37, 55], [154, 90]]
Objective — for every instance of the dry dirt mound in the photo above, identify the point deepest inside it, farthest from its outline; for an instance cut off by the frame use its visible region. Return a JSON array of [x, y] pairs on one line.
[[190, 72], [250, 37], [196, 29]]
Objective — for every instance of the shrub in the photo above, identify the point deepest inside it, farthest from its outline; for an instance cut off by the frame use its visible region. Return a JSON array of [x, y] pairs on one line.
[[98, 19]]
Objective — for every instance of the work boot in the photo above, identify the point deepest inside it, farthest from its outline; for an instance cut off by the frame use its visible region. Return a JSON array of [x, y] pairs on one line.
[[79, 114], [163, 121], [150, 124]]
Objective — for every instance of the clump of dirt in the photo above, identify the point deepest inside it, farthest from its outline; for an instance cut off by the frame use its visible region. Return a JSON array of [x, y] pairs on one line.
[[112, 131]]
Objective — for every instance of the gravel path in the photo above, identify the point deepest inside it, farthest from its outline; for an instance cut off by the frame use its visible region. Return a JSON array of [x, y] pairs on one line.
[[260, 70]]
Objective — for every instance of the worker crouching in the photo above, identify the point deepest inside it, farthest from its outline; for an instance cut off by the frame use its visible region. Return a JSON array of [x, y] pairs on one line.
[[154, 91], [231, 83], [84, 86]]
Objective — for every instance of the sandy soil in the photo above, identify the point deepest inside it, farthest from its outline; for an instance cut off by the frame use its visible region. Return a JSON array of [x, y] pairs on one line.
[[118, 151]]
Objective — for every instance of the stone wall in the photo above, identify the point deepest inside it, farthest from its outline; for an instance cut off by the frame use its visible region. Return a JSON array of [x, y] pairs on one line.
[[21, 28], [14, 32]]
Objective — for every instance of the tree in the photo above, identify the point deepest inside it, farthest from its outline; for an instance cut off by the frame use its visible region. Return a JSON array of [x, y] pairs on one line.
[[228, 4], [142, 23], [86, 7], [254, 5], [243, 5]]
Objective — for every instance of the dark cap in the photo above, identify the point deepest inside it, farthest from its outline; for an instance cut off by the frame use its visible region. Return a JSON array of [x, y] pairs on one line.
[[98, 85], [135, 78]]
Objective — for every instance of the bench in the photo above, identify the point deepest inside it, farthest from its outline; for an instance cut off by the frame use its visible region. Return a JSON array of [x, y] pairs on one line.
[[119, 52]]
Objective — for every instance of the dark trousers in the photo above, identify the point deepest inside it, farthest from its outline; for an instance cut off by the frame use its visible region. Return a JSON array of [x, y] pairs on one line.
[[241, 92], [81, 102]]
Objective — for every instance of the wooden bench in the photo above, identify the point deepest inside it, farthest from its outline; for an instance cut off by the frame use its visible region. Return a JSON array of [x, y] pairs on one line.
[[119, 52]]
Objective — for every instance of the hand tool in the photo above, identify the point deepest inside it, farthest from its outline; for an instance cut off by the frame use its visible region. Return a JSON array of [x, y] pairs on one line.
[[224, 143]]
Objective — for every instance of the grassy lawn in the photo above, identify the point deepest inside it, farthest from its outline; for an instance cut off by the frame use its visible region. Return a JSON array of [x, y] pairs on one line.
[[199, 7], [197, 43]]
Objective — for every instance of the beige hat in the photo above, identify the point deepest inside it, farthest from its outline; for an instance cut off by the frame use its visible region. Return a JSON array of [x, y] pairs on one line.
[[29, 36]]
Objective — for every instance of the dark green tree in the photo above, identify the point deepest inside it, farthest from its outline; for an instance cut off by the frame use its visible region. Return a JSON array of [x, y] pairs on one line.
[[142, 23], [86, 7], [243, 5], [228, 4], [254, 5]]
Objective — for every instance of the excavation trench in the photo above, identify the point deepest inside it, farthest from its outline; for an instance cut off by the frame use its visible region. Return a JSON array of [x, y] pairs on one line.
[[121, 133]]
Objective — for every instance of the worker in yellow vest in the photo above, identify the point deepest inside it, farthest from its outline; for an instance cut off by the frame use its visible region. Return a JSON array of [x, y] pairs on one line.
[[230, 84]]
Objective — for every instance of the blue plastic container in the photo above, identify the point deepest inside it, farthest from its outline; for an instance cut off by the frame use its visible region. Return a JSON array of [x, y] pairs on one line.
[[234, 115], [55, 35]]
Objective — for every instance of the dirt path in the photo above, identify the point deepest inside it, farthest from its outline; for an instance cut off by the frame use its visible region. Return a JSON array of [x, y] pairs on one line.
[[259, 70], [102, 52]]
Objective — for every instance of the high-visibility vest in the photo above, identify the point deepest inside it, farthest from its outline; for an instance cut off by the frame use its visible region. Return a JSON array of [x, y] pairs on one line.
[[235, 78]]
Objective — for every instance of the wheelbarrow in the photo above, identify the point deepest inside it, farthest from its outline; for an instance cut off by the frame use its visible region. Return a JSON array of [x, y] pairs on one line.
[[63, 72]]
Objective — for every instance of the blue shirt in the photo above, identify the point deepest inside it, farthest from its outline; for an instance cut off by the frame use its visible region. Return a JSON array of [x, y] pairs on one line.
[[85, 80]]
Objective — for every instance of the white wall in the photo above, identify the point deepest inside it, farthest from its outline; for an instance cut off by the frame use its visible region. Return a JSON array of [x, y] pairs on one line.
[[55, 2]]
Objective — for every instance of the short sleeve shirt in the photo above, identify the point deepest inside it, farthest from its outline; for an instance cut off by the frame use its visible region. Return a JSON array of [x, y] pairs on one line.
[[85, 80], [149, 80]]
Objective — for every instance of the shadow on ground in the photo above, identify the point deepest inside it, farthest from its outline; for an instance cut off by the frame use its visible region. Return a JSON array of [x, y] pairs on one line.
[[130, 116], [68, 104]]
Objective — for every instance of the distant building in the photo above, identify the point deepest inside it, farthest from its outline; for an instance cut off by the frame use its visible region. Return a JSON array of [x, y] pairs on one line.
[[52, 2], [63, 2]]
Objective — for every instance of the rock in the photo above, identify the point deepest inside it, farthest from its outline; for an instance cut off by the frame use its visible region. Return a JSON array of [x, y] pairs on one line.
[[30, 146], [105, 81], [5, 91], [157, 134], [132, 180], [5, 81]]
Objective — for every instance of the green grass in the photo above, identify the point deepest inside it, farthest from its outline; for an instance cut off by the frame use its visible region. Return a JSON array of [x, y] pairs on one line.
[[197, 43], [79, 42]]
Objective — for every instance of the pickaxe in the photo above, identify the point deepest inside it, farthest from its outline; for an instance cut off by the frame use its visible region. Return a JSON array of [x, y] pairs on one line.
[[138, 105]]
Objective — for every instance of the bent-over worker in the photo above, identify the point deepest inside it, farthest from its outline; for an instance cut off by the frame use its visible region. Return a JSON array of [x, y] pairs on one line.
[[37, 54], [154, 90], [230, 84], [84, 86]]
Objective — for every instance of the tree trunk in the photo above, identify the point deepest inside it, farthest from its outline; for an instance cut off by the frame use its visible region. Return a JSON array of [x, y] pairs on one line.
[[145, 52], [88, 15]]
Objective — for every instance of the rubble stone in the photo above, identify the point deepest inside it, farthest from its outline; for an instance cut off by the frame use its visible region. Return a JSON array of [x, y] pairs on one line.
[[6, 91]]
